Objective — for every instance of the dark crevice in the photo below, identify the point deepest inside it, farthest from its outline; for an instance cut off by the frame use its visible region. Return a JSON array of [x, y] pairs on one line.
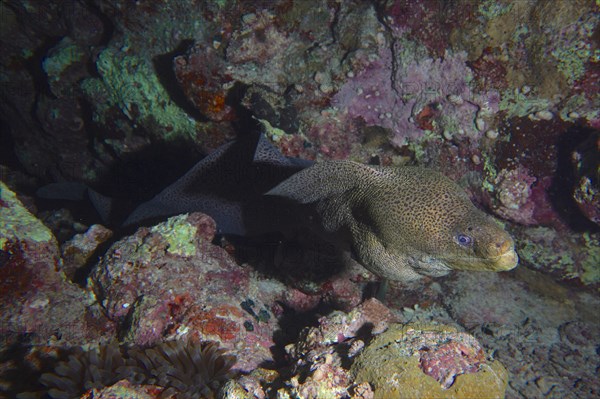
[[107, 24], [163, 65], [8, 156], [565, 179]]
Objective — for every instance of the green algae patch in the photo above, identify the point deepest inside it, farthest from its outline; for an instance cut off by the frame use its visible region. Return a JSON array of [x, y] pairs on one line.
[[391, 364], [274, 133], [131, 84], [179, 235], [17, 222], [568, 255], [61, 57], [591, 263], [537, 249], [517, 104]]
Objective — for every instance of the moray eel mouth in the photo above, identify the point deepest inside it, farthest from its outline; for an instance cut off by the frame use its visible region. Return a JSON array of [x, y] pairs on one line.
[[506, 261]]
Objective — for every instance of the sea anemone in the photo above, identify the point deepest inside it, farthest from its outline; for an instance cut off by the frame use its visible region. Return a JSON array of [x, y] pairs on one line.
[[95, 368], [188, 369]]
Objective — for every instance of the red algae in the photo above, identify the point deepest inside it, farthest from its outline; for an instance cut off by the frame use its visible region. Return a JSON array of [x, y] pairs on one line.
[[17, 278]]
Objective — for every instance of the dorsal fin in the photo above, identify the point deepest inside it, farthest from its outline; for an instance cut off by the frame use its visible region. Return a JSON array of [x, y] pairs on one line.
[[324, 180]]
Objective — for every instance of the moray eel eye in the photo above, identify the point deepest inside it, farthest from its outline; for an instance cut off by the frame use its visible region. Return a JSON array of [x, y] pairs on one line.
[[464, 240]]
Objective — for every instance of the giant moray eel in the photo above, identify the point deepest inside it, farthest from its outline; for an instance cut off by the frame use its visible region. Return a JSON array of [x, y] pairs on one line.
[[402, 222]]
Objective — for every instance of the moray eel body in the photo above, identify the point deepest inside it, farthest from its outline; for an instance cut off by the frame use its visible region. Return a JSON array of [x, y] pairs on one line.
[[401, 223]]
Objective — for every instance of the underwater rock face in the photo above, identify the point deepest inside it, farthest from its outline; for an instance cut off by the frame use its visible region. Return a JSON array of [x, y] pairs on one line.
[[202, 76], [531, 320], [78, 250], [169, 280], [34, 292], [565, 255], [428, 361]]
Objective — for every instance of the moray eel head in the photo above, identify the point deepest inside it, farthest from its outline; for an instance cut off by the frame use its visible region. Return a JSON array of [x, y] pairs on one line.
[[434, 219], [479, 243]]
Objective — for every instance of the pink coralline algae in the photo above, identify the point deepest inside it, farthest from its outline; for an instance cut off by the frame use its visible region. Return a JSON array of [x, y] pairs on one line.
[[460, 354], [426, 94], [427, 360], [170, 280]]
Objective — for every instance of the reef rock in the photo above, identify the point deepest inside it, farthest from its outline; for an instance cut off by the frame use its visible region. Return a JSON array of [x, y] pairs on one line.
[[429, 361], [34, 292], [169, 280]]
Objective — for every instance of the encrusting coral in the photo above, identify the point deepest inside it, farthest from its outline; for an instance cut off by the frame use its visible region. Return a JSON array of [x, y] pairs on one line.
[[187, 368]]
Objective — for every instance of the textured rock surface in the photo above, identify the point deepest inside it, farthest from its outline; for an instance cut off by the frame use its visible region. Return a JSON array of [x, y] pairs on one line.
[[170, 280], [524, 318], [428, 360], [35, 294]]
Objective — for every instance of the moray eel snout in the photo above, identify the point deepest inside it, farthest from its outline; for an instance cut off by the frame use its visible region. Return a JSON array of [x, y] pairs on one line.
[[488, 247], [402, 223]]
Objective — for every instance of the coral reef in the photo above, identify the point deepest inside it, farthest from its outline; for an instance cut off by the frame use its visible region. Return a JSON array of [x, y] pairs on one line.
[[170, 280], [421, 360], [502, 96]]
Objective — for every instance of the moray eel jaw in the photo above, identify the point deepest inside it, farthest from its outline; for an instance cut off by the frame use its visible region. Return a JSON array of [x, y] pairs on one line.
[[503, 262], [506, 261]]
